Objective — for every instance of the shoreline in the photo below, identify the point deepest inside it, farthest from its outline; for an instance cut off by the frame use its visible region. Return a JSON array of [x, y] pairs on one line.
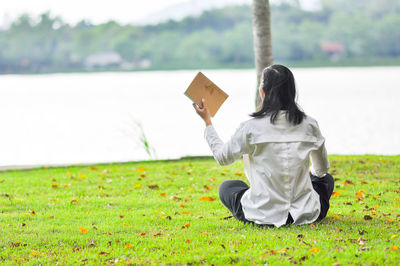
[[184, 158]]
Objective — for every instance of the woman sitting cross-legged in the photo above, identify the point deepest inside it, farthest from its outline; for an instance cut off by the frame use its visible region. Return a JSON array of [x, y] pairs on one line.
[[276, 145]]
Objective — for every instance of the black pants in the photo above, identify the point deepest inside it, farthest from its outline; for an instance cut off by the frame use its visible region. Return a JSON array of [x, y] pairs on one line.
[[231, 191]]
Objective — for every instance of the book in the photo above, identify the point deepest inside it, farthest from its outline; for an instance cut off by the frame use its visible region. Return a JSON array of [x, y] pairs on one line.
[[202, 87]]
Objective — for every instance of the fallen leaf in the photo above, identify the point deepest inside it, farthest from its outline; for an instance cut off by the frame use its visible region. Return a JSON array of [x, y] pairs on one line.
[[103, 253], [182, 206], [137, 186], [239, 174], [143, 234], [272, 251], [32, 212], [335, 217], [54, 186], [185, 212], [140, 169], [187, 240], [34, 252], [158, 234], [314, 250], [335, 194], [163, 194], [390, 220], [74, 201], [395, 248], [186, 226], [367, 217], [128, 246], [16, 244], [207, 199], [82, 176], [153, 186], [83, 230], [360, 194], [207, 187]]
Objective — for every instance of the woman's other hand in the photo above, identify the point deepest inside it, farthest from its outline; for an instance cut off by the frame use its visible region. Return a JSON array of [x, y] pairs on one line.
[[203, 112]]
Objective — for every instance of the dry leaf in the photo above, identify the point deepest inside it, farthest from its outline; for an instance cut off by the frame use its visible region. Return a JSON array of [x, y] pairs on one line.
[[34, 252], [140, 169], [137, 186], [367, 217], [83, 230], [207, 199], [314, 250], [54, 186], [395, 248], [143, 234], [184, 212], [187, 240], [186, 226], [163, 194], [128, 246], [153, 186], [360, 194], [239, 174], [335, 194], [103, 253]]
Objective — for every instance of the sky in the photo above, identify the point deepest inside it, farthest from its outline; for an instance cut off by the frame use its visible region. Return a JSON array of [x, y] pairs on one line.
[[72, 11], [100, 11]]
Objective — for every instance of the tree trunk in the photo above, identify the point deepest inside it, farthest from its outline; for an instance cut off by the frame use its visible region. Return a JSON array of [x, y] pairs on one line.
[[262, 39]]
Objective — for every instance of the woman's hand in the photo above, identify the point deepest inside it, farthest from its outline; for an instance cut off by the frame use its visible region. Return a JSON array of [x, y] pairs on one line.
[[203, 112]]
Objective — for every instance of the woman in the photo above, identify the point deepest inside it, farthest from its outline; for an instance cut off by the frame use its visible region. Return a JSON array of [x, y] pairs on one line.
[[276, 145]]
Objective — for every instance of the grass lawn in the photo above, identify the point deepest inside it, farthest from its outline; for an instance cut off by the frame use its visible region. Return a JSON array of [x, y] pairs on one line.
[[165, 212]]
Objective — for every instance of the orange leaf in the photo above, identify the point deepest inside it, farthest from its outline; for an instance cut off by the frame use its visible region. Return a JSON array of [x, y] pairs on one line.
[[54, 186], [239, 174], [187, 240], [83, 230], [163, 194], [185, 212], [158, 234], [207, 199], [183, 206], [74, 201], [272, 251], [140, 169], [143, 234], [186, 225], [335, 217], [335, 194], [207, 187], [360, 194], [395, 248], [314, 250], [390, 220], [34, 252], [128, 246]]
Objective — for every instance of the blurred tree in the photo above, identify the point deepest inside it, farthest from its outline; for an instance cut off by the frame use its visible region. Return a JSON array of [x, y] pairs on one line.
[[262, 39]]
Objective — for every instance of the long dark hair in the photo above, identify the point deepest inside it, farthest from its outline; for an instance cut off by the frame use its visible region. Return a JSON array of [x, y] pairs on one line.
[[280, 94]]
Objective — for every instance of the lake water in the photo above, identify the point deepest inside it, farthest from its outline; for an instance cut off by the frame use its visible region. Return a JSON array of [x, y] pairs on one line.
[[90, 117]]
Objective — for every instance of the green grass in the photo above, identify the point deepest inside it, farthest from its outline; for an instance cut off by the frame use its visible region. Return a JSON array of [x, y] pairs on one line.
[[41, 211]]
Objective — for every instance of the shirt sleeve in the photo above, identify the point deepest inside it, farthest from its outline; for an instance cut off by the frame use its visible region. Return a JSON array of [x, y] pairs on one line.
[[229, 152], [319, 156]]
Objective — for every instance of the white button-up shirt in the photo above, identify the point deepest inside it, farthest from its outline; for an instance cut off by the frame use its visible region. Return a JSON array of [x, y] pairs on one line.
[[276, 160]]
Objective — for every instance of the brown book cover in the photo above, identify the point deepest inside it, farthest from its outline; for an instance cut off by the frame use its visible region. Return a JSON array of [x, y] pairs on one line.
[[202, 87]]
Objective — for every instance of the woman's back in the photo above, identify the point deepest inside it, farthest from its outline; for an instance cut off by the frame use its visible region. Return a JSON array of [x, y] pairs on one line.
[[277, 167]]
